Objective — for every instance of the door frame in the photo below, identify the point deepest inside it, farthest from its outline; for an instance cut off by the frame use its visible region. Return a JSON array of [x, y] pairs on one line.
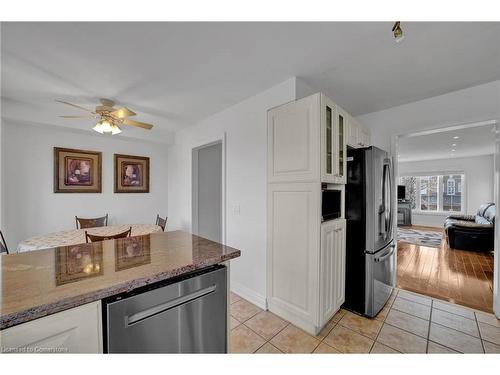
[[194, 148], [496, 190]]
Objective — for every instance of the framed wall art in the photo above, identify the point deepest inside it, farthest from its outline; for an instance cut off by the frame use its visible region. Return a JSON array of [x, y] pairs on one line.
[[131, 174], [77, 171]]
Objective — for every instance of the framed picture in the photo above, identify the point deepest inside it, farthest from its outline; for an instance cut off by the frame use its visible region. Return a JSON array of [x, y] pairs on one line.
[[75, 263], [77, 171], [131, 174], [132, 252]]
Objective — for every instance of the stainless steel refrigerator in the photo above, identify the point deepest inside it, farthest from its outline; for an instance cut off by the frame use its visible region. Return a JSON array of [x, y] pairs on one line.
[[370, 246]]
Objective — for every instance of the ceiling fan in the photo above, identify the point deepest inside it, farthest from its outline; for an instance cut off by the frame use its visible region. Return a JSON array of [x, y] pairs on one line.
[[110, 118]]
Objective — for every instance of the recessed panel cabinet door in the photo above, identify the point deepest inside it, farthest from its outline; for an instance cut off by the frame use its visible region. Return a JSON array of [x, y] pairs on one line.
[[293, 252], [293, 141], [77, 330], [332, 260]]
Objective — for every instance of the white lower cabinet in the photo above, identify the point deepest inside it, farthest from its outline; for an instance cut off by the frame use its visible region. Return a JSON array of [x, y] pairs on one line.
[[332, 273], [306, 259], [77, 330], [293, 252]]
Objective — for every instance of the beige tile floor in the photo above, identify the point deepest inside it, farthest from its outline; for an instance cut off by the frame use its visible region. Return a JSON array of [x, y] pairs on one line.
[[409, 323]]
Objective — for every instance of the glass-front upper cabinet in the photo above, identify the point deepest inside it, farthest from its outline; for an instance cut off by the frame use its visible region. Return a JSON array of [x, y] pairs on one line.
[[341, 146], [333, 149]]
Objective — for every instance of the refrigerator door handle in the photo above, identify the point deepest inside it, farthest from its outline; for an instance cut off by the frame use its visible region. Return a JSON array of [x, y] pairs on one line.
[[384, 257], [390, 200]]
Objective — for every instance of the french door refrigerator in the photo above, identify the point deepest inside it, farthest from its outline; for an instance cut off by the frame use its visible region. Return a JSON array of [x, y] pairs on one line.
[[370, 247]]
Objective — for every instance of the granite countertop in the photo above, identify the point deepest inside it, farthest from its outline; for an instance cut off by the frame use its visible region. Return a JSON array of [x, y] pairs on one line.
[[38, 283]]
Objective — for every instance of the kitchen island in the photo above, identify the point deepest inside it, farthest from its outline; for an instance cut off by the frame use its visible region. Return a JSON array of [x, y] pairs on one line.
[[71, 282]]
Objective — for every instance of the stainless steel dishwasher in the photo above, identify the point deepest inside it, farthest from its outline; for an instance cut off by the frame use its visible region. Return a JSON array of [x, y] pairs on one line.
[[185, 315]]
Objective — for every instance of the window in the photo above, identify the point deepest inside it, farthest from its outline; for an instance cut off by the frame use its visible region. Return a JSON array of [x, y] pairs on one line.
[[429, 193], [435, 193], [452, 195]]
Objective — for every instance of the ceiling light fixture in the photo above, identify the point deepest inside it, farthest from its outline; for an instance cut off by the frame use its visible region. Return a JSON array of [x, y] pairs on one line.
[[453, 150], [456, 137], [398, 32], [454, 145], [106, 127]]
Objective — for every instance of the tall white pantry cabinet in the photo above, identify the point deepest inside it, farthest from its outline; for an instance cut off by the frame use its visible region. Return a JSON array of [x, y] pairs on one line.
[[305, 257]]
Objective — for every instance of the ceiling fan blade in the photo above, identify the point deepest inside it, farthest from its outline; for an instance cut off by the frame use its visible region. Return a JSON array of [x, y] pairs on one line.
[[77, 116], [74, 105], [137, 123], [123, 112]]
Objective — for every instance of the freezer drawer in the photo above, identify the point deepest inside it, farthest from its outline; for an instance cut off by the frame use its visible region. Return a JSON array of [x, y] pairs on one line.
[[380, 279], [187, 316]]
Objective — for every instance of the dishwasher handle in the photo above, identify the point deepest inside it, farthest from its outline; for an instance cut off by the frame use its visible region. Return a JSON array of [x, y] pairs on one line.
[[158, 309]]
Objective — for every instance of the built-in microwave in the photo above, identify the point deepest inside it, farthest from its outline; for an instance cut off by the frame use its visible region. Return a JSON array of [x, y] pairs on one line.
[[331, 204]]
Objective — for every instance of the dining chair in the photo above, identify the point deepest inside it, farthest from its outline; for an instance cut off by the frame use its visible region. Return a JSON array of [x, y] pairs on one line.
[[3, 244], [95, 238], [161, 222], [91, 223]]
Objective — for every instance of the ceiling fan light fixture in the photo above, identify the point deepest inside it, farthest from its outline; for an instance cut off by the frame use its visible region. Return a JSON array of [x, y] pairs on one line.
[[398, 32], [110, 118], [106, 127], [115, 129]]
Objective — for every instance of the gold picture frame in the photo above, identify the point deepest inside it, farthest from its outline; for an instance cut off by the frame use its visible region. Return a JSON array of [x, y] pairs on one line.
[[131, 174], [77, 171]]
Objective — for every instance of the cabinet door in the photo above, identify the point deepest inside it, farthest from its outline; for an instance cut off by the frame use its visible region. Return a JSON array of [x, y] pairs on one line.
[[332, 260], [365, 138], [340, 235], [77, 330], [294, 141], [328, 140], [340, 147], [352, 137], [293, 252]]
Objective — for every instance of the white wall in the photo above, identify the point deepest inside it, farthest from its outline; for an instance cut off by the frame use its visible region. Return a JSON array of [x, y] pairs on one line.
[[464, 106], [479, 182], [31, 208], [245, 126]]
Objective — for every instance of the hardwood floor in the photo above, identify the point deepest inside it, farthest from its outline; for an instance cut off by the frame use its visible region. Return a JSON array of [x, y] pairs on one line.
[[458, 276]]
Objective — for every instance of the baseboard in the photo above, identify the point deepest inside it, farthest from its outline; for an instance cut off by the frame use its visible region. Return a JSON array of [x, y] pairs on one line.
[[293, 318], [249, 294]]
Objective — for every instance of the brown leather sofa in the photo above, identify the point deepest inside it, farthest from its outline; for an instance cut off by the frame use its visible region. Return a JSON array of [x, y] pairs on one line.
[[472, 232]]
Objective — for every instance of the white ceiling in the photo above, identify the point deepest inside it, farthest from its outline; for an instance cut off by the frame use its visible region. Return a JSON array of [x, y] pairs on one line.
[[472, 141], [174, 74]]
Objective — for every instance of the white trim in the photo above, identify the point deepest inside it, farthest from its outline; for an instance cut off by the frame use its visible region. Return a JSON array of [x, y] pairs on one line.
[[431, 173], [249, 294], [449, 128], [200, 143], [436, 213], [496, 257]]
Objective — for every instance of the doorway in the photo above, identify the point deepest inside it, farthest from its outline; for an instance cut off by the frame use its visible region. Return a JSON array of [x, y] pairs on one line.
[[443, 173], [207, 190]]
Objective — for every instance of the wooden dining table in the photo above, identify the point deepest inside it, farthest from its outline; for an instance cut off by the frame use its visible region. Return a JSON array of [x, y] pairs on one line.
[[77, 236]]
